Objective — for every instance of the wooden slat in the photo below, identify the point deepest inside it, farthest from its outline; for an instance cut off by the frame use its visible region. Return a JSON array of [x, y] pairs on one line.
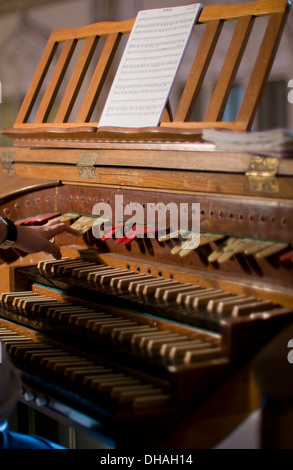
[[96, 29], [233, 12], [55, 81], [230, 67], [198, 71], [36, 82], [76, 80], [167, 113], [99, 77], [261, 70]]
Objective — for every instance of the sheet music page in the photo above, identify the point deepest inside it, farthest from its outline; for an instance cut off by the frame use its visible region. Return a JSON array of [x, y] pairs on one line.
[[148, 66]]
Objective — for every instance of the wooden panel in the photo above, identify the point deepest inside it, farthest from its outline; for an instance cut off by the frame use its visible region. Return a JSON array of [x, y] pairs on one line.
[[18, 185], [162, 180]]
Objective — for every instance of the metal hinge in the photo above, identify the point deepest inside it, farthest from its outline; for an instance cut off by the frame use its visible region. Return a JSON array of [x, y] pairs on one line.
[[262, 173], [7, 161], [86, 165]]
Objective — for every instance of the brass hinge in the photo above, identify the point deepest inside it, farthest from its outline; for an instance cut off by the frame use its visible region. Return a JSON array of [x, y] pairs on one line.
[[262, 173], [86, 165], [7, 161]]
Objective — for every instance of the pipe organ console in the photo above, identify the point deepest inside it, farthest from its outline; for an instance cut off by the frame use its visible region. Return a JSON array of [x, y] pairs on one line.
[[144, 335]]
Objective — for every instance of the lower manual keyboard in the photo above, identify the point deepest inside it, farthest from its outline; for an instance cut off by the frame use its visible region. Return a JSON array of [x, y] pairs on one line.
[[187, 303], [79, 374], [156, 344]]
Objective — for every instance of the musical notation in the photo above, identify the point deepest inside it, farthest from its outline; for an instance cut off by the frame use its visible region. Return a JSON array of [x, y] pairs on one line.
[[148, 66]]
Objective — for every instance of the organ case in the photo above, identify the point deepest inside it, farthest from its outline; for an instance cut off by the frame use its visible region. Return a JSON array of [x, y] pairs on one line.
[[154, 341]]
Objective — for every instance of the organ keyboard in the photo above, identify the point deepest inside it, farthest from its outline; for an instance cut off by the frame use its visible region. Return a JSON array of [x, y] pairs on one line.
[[127, 340], [145, 339]]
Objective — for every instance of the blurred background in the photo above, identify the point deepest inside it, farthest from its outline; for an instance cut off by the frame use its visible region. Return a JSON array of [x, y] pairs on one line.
[[25, 26]]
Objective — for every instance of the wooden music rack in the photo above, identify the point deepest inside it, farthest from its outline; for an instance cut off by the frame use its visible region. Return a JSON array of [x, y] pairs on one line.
[[36, 119]]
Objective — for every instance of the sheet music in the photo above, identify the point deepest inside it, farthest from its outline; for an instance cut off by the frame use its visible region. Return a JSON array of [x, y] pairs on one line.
[[148, 66]]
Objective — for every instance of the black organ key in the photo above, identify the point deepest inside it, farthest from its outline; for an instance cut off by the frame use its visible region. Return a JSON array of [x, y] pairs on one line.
[[166, 347], [83, 272], [69, 268], [172, 292], [183, 294], [107, 278], [192, 297], [215, 302], [127, 393], [105, 326], [125, 333], [247, 309], [124, 281], [103, 269], [79, 319], [79, 372], [180, 350], [156, 286], [96, 276], [203, 300]]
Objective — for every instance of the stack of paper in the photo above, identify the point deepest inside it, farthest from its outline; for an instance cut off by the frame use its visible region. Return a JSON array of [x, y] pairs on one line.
[[274, 142]]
